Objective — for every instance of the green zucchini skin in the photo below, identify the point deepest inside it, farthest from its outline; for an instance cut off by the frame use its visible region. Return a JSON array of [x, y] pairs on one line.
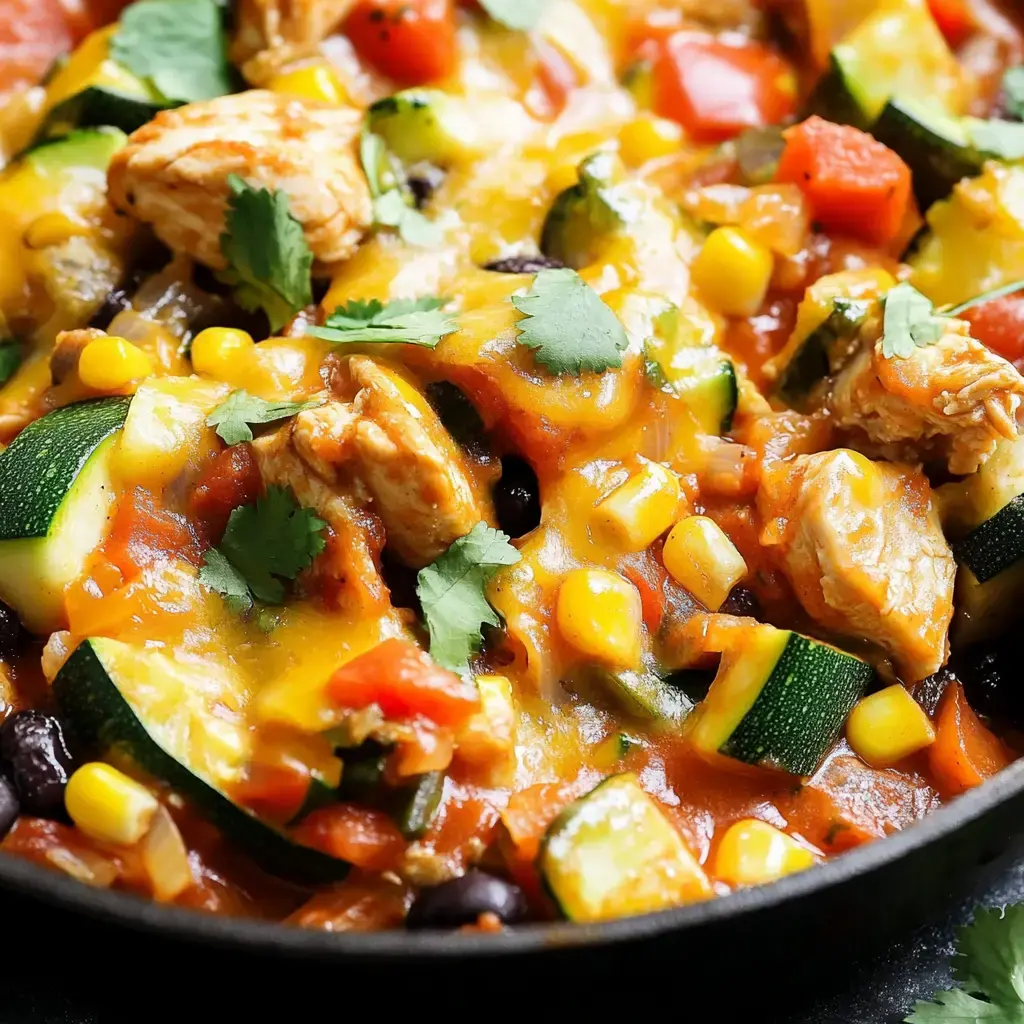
[[996, 544], [40, 465], [96, 107], [99, 716], [834, 99], [800, 710], [414, 806]]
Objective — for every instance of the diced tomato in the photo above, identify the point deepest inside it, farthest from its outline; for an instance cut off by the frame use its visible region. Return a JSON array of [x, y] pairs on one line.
[[362, 903], [1000, 325], [556, 76], [33, 33], [954, 18], [854, 184], [274, 791], [143, 534], [649, 576], [404, 681], [362, 836], [531, 810], [964, 753], [715, 87], [411, 41], [232, 479]]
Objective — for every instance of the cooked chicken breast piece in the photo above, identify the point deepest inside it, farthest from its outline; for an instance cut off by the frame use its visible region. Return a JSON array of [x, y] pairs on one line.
[[272, 33], [173, 173], [954, 399], [389, 439], [861, 544], [352, 557]]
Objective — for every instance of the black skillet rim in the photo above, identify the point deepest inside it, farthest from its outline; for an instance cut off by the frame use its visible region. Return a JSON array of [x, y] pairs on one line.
[[258, 937]]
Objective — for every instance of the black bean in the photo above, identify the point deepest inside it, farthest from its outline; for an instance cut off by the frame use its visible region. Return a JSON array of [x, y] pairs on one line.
[[990, 674], [462, 900], [11, 633], [116, 302], [36, 759], [9, 806], [459, 417], [517, 497], [524, 264], [742, 602]]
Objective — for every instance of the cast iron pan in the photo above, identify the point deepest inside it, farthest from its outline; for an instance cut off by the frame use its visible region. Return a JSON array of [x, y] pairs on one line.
[[829, 912]]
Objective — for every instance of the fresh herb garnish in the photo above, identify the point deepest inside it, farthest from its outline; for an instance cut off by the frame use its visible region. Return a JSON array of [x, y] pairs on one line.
[[269, 260], [240, 409], [177, 45], [567, 324], [452, 593], [413, 321], [10, 360], [989, 966], [1013, 91], [910, 322], [272, 540], [989, 296], [521, 14], [391, 207]]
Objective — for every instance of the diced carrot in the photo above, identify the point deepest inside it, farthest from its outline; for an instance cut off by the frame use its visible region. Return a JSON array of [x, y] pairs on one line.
[[362, 836], [232, 479], [411, 41], [143, 534], [273, 791], [404, 681], [964, 753], [1000, 325], [854, 184], [955, 19]]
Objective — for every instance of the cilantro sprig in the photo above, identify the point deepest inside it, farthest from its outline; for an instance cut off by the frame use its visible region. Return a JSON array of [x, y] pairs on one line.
[[269, 261], [239, 410], [413, 321], [910, 322], [391, 206], [519, 14], [452, 593], [265, 543], [568, 325], [178, 46], [989, 967]]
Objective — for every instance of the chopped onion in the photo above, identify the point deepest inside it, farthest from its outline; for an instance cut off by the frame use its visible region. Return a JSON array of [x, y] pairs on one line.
[[165, 858]]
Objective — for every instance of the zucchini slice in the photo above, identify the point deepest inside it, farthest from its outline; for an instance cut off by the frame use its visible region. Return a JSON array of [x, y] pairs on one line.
[[182, 722], [614, 854], [96, 106], [896, 51], [779, 700], [56, 494], [934, 146]]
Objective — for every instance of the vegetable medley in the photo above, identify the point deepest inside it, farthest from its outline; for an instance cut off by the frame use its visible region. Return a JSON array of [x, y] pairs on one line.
[[476, 463]]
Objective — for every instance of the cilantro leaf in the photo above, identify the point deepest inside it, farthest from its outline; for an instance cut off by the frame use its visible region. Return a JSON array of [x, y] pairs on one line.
[[990, 296], [1013, 91], [221, 576], [233, 416], [989, 966], [909, 322], [177, 45], [451, 591], [391, 206], [568, 325], [10, 360], [521, 14], [264, 542], [269, 260], [414, 321]]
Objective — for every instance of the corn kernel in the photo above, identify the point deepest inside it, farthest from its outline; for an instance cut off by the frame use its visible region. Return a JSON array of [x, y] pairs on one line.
[[214, 349], [52, 229], [563, 177], [107, 805], [753, 852], [733, 272], [317, 82], [488, 739], [699, 556], [639, 510], [599, 613], [888, 726], [648, 138], [111, 364]]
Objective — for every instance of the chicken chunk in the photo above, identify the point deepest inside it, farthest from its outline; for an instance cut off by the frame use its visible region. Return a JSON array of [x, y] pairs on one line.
[[954, 399], [862, 546], [352, 558], [173, 173], [392, 443], [272, 33]]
